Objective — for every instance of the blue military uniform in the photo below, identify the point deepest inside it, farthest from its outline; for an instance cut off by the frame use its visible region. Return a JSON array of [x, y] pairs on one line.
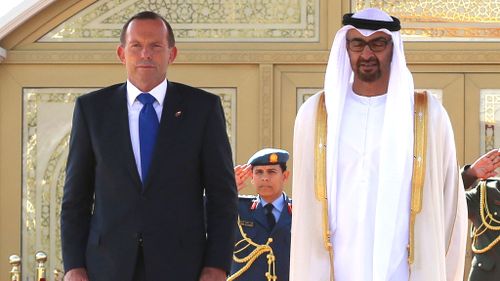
[[254, 224], [486, 248], [251, 253]]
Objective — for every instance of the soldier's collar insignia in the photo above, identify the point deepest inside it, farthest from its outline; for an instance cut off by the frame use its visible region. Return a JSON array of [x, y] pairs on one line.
[[254, 205]]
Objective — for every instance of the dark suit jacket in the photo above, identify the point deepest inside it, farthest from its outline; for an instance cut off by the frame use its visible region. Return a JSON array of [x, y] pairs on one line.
[[254, 224], [106, 210]]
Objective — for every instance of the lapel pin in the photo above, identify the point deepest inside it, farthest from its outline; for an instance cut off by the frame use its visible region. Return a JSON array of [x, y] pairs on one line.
[[290, 208], [178, 114]]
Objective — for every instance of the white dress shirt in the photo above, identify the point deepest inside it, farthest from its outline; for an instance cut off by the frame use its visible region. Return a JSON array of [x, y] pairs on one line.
[[134, 108]]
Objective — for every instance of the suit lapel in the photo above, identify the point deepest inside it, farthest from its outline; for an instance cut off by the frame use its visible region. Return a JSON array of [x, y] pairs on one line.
[[125, 151], [171, 117]]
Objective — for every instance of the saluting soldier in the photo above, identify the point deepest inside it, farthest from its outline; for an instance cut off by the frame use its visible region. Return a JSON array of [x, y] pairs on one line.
[[262, 251], [483, 202]]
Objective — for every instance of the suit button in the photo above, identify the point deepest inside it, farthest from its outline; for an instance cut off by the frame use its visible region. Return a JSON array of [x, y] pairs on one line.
[[479, 264]]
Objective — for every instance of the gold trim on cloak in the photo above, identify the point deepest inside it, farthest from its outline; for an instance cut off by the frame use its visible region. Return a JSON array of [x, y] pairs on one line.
[[419, 161], [320, 175]]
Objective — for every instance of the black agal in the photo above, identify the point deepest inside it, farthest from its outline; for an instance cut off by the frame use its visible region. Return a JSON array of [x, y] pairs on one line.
[[394, 25]]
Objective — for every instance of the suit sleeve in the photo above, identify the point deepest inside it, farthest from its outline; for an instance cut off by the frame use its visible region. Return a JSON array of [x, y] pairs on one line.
[[78, 192], [220, 191]]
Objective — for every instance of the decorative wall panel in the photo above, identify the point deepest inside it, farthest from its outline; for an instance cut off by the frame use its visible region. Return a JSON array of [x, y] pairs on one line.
[[438, 20], [46, 127], [47, 115], [489, 118], [228, 99], [304, 93], [199, 20]]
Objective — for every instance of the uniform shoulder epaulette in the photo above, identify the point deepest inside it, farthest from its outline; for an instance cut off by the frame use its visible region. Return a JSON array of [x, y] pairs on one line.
[[492, 182], [247, 197]]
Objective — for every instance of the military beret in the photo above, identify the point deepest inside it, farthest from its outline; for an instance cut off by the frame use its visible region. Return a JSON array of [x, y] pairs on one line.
[[268, 156]]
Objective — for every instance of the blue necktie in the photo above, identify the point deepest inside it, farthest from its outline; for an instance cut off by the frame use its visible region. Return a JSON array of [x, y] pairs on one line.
[[148, 129]]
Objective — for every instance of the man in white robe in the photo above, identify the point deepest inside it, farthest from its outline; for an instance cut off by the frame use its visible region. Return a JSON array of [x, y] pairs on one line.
[[369, 97]]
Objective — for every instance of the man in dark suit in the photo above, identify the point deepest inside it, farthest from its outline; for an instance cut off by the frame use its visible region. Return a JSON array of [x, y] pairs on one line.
[[142, 155], [265, 220]]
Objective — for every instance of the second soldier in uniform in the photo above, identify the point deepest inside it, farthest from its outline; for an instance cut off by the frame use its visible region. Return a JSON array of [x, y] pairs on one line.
[[262, 251], [483, 202]]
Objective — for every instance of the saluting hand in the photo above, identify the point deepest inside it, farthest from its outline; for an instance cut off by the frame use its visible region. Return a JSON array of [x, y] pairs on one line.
[[485, 166], [241, 174]]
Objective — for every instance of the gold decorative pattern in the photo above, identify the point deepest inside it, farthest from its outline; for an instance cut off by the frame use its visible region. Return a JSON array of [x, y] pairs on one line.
[[489, 116], [46, 125], [437, 20], [198, 20], [432, 57], [46, 129]]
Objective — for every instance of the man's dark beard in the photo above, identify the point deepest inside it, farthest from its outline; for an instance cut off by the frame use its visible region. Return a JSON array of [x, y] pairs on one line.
[[368, 77]]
